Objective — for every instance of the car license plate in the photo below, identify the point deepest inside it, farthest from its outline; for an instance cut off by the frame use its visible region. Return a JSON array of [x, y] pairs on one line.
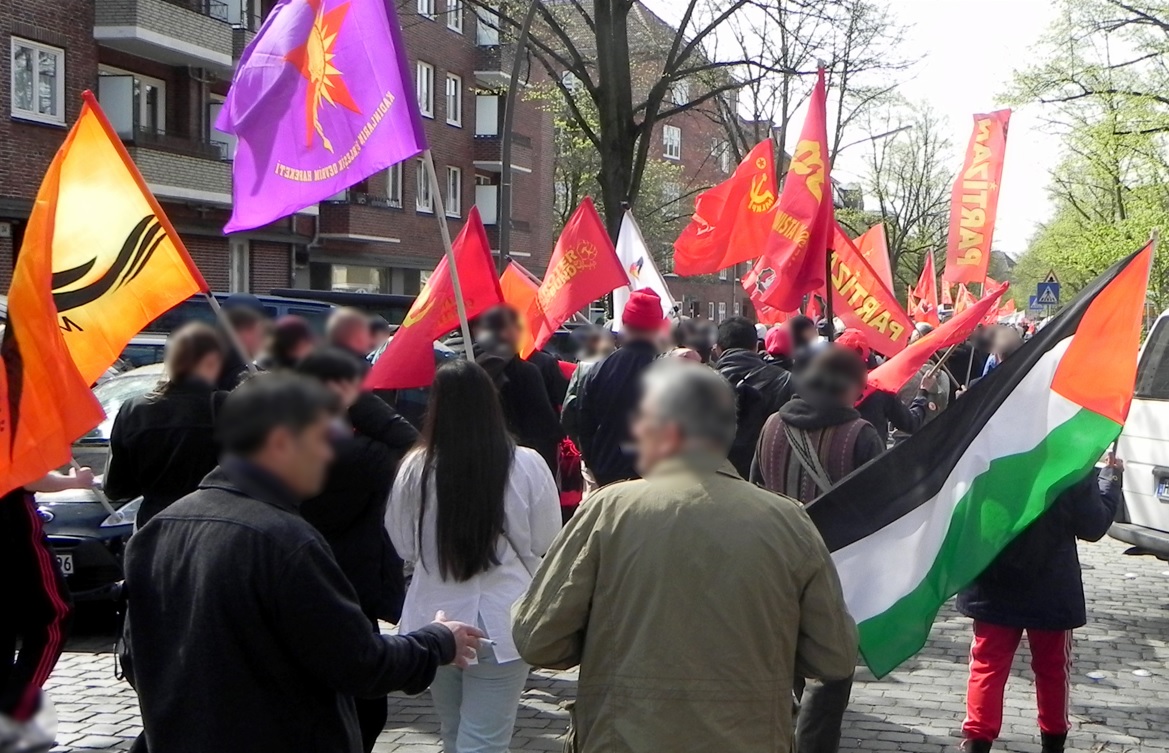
[[65, 562]]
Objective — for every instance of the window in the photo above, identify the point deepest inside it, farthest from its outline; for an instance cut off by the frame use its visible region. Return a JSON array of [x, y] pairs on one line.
[[225, 141], [239, 270], [454, 192], [425, 86], [722, 274], [571, 81], [721, 151], [454, 15], [681, 92], [1153, 374], [738, 308], [426, 8], [486, 27], [672, 138], [722, 311], [710, 314], [394, 185], [137, 103], [423, 200], [38, 82], [454, 100]]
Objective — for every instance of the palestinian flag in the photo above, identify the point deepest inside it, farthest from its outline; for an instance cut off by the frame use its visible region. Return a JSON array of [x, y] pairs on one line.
[[912, 528]]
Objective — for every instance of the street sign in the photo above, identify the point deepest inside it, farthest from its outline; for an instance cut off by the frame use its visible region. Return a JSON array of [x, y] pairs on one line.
[[1051, 277], [1047, 293], [1033, 305]]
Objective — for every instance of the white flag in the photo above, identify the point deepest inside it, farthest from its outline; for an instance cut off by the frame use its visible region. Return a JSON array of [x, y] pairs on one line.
[[640, 269]]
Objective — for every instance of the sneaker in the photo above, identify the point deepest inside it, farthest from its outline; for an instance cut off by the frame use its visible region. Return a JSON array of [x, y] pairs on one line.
[[33, 739], [976, 746]]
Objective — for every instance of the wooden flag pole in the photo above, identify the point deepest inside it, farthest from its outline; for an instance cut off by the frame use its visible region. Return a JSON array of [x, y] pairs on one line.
[[449, 250], [232, 337], [101, 495]]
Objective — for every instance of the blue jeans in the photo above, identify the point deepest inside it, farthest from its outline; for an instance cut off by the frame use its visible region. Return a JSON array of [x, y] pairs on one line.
[[477, 706]]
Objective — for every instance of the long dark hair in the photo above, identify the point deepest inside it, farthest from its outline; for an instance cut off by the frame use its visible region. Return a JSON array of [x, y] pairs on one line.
[[467, 446], [185, 350]]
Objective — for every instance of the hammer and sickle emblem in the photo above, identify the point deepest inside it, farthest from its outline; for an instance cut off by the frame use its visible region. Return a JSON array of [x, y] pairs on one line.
[[809, 163], [761, 198]]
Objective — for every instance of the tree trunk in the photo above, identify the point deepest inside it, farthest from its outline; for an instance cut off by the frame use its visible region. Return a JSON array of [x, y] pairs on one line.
[[614, 108]]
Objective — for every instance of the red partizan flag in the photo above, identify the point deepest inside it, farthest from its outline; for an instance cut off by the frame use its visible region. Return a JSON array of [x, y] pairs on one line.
[[875, 247], [408, 361], [926, 293], [584, 267], [975, 200], [793, 262], [947, 299], [965, 299], [892, 375], [731, 221], [863, 302]]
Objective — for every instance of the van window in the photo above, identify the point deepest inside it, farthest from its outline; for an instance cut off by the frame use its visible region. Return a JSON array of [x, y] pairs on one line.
[[1153, 374]]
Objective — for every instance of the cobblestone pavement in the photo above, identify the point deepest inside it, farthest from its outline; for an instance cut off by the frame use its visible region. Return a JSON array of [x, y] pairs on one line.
[[918, 708]]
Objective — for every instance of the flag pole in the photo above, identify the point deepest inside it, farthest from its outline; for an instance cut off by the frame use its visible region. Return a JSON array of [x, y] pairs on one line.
[[828, 314], [448, 249], [232, 337]]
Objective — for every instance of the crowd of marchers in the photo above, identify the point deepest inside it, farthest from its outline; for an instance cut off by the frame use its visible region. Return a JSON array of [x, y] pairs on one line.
[[637, 513]]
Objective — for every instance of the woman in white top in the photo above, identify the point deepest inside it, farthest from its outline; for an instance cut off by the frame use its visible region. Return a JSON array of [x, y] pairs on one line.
[[475, 514]]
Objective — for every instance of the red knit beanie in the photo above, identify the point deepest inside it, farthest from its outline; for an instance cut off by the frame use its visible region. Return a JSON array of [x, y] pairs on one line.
[[643, 311], [854, 339]]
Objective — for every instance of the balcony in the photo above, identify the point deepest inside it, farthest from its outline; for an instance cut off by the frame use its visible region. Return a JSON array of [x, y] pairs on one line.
[[182, 169], [359, 216], [175, 32]]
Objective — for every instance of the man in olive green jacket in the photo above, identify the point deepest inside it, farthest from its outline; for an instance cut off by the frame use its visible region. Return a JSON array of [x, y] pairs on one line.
[[690, 599]]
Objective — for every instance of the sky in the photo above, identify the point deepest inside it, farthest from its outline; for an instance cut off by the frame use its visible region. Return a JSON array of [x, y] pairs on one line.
[[969, 50]]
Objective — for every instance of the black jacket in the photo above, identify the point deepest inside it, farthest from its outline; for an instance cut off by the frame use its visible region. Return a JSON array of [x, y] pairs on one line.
[[882, 408], [762, 389], [243, 634], [608, 396], [528, 410], [555, 383], [161, 446], [350, 511], [1036, 582]]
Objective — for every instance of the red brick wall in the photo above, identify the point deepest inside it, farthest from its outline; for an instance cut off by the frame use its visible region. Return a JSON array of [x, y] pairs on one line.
[[6, 261], [210, 255], [271, 266]]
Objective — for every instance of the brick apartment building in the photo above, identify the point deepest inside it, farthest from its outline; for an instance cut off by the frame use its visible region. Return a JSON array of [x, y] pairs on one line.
[[161, 68]]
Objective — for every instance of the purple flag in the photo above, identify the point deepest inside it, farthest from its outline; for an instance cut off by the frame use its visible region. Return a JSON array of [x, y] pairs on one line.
[[319, 103]]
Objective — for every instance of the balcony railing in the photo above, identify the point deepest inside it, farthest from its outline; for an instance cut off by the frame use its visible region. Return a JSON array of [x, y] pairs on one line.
[[361, 198], [210, 8], [152, 138]]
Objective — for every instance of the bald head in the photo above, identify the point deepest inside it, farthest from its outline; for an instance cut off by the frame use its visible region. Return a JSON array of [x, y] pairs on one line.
[[685, 407]]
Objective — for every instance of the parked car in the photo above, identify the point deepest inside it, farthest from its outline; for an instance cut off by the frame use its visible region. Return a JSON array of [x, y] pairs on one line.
[[197, 308], [1143, 519], [87, 532], [391, 307]]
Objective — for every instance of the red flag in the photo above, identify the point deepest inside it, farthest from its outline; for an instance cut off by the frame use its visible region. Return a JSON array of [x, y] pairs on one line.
[[731, 221], [584, 267], [863, 302], [947, 299], [975, 200], [909, 302], [892, 375], [408, 361], [771, 317], [793, 261], [926, 294], [875, 248]]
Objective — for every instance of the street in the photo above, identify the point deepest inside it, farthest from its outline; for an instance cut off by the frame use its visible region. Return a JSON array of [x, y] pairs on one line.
[[1120, 693]]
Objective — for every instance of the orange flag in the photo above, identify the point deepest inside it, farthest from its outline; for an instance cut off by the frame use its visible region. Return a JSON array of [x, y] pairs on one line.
[[45, 402], [731, 221], [975, 200], [584, 267], [947, 299], [874, 246], [926, 293], [862, 300], [408, 361], [793, 261], [519, 292], [118, 264]]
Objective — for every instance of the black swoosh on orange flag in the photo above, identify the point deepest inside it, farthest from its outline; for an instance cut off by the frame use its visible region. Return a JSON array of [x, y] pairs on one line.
[[136, 250], [14, 370]]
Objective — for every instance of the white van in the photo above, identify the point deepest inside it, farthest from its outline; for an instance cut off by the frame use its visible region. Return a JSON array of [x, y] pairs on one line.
[[1143, 521]]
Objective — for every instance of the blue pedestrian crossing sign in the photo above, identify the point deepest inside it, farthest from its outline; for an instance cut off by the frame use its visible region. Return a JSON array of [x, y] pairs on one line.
[[1047, 292], [1033, 305]]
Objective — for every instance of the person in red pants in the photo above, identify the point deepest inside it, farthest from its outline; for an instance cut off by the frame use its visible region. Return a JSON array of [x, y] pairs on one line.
[[1034, 587], [39, 618]]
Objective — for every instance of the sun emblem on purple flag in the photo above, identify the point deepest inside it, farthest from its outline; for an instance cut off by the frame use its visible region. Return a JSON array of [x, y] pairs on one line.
[[314, 60]]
